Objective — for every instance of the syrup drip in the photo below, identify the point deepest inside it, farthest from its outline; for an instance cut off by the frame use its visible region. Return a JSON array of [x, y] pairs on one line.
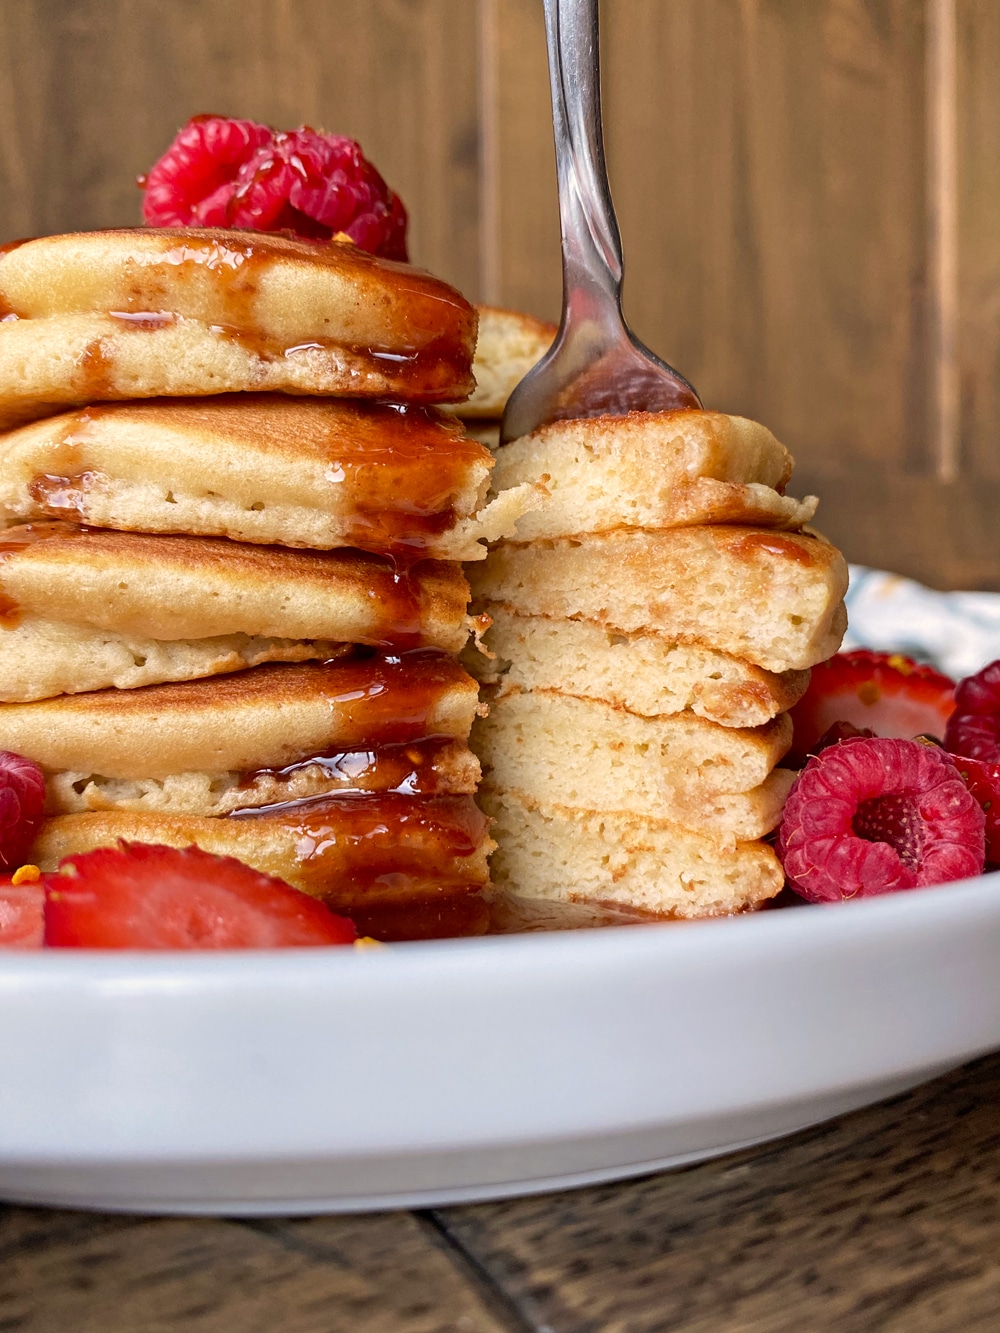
[[752, 545], [239, 262], [387, 700], [356, 850], [407, 769]]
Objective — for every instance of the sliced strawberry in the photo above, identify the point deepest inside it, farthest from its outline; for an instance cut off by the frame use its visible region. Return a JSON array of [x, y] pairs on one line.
[[884, 693], [983, 780], [142, 896], [22, 914]]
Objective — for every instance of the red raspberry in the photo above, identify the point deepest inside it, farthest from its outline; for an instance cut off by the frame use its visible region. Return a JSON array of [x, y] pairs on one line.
[[22, 797], [875, 816], [973, 729], [235, 173], [193, 182]]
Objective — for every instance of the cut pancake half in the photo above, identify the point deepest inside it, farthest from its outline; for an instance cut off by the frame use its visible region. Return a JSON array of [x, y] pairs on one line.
[[266, 718], [403, 867], [551, 853], [190, 588], [148, 313], [508, 346], [642, 671], [591, 756], [774, 598], [263, 468], [652, 470]]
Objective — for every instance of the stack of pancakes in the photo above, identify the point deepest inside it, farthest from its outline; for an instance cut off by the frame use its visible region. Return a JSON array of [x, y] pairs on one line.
[[653, 622], [230, 586]]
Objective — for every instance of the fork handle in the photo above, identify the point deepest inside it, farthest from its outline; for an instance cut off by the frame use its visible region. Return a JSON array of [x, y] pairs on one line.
[[592, 248]]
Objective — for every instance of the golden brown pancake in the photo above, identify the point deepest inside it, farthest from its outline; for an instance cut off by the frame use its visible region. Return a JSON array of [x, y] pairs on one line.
[[403, 867], [774, 598], [263, 468], [125, 590], [548, 852], [148, 313], [652, 470], [642, 671], [269, 717]]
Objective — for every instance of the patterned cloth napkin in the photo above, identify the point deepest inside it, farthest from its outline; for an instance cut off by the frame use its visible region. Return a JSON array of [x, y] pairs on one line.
[[958, 632]]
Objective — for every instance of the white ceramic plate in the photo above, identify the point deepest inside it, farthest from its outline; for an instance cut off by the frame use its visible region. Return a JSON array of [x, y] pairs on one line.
[[312, 1080]]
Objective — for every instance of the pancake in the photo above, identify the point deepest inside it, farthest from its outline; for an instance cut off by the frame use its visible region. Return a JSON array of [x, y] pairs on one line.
[[550, 853], [269, 717], [652, 470], [591, 755], [402, 867], [643, 672], [190, 588], [263, 468], [434, 767], [147, 313], [775, 599], [509, 344], [42, 658]]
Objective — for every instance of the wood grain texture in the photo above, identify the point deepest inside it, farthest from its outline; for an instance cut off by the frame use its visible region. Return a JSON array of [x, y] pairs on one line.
[[767, 161], [92, 91], [93, 1274], [888, 1219]]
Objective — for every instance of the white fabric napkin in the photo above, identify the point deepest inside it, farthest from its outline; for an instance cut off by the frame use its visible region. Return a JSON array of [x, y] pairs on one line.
[[958, 632]]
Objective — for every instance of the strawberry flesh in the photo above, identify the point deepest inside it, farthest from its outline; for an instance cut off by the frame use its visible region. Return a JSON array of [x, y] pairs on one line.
[[885, 694], [22, 915], [143, 896]]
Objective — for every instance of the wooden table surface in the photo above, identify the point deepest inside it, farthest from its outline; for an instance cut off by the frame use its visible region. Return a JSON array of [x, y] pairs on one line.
[[887, 1219]]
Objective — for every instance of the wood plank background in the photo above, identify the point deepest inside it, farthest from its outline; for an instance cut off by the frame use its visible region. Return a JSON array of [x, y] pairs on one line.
[[808, 194]]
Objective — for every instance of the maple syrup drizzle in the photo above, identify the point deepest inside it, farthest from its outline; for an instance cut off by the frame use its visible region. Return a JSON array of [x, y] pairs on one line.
[[752, 544], [357, 847], [399, 468], [238, 263], [408, 769]]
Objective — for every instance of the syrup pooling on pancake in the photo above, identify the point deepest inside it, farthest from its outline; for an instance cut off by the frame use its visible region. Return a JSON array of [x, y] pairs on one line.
[[350, 847], [114, 315], [410, 768], [268, 717]]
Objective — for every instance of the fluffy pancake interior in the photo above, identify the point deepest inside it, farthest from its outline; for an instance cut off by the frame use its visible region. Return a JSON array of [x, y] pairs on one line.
[[774, 598], [643, 672], [652, 470], [551, 853]]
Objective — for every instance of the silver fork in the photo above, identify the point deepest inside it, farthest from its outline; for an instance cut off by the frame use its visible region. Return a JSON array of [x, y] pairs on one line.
[[596, 365]]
